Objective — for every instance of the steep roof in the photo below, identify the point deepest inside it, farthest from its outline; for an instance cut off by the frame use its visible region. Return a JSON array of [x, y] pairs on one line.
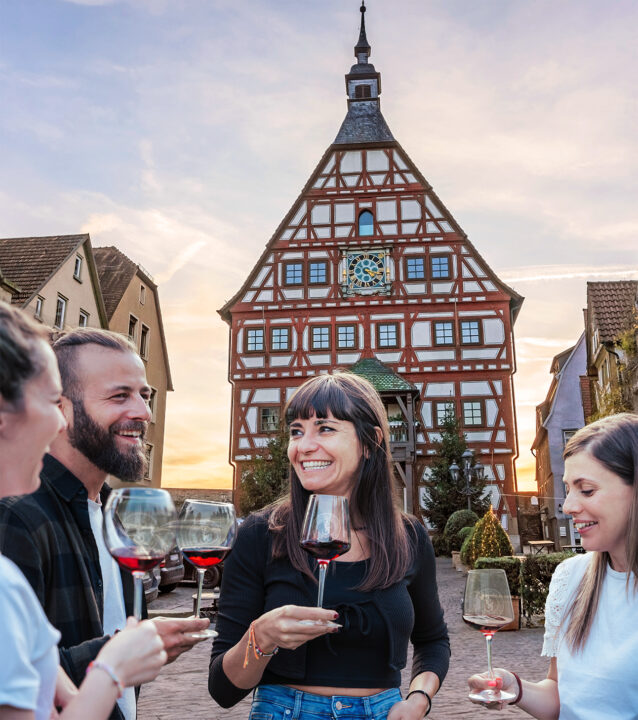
[[30, 262], [116, 272], [381, 376], [612, 306]]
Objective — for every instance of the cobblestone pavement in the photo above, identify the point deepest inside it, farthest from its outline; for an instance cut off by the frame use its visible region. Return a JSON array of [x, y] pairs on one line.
[[181, 691]]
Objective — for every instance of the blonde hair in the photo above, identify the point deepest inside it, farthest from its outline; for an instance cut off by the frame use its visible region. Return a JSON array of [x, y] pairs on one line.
[[613, 441]]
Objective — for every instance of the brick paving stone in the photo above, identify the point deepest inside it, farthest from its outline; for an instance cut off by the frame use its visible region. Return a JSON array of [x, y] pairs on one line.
[[181, 690]]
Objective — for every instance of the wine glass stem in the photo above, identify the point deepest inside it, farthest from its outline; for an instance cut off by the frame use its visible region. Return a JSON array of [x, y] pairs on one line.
[[323, 566], [488, 639], [200, 584], [138, 586]]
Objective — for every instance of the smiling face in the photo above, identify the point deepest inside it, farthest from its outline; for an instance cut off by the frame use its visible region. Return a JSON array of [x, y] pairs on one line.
[[599, 502], [325, 453], [110, 417]]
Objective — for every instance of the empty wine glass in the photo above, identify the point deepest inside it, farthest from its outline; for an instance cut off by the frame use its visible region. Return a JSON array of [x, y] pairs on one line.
[[325, 533], [139, 530], [487, 607], [205, 534]]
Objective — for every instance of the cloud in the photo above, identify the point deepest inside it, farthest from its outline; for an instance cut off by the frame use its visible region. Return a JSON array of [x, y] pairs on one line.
[[561, 272]]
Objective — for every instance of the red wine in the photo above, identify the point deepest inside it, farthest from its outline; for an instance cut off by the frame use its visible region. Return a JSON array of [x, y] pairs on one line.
[[487, 624], [325, 550], [205, 557], [136, 563]]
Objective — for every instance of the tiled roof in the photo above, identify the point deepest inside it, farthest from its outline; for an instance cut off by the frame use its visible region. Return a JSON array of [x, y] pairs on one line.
[[29, 262], [364, 123], [612, 306], [381, 376], [115, 271]]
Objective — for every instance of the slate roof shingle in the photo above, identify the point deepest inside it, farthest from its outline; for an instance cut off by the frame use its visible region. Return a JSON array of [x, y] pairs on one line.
[[612, 306], [115, 271], [381, 376]]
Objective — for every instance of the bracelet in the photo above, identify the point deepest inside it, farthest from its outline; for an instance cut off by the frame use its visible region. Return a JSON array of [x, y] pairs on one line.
[[99, 665], [518, 697], [252, 645], [422, 692]]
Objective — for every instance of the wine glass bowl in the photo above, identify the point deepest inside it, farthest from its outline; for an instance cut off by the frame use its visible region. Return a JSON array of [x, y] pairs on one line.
[[325, 533], [139, 531], [206, 531], [487, 607]]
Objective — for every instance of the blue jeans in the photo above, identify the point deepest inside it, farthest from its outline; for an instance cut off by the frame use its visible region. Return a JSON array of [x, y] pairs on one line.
[[277, 702]]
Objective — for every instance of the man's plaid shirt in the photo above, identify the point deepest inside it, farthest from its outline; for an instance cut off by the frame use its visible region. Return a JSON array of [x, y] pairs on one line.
[[48, 535]]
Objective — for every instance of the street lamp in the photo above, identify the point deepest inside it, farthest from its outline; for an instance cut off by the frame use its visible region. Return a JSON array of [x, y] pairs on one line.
[[478, 472]]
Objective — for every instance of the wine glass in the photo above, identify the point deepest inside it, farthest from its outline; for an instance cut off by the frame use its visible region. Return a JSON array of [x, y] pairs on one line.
[[139, 530], [488, 607], [205, 534], [325, 533]]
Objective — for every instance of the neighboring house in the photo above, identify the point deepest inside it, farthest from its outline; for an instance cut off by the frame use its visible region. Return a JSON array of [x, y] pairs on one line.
[[558, 417], [54, 279], [369, 264], [132, 308], [610, 328], [7, 288]]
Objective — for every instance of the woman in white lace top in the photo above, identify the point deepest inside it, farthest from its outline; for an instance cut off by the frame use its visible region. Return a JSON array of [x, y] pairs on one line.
[[591, 614]]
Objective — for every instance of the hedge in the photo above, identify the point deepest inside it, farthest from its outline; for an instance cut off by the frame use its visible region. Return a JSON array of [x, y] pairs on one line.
[[511, 565], [536, 573]]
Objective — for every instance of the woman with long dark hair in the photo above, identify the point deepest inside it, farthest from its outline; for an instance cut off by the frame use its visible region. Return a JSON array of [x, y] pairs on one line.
[[592, 606], [346, 657]]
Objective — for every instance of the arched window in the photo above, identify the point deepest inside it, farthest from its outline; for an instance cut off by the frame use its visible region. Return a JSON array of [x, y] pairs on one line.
[[366, 223]]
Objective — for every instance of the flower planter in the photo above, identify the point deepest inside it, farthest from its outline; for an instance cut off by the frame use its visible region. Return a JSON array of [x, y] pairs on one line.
[[456, 558], [516, 622]]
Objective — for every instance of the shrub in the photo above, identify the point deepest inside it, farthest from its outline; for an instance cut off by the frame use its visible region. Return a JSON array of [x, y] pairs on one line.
[[488, 539], [457, 521], [465, 547], [511, 565], [464, 532], [536, 573], [441, 545]]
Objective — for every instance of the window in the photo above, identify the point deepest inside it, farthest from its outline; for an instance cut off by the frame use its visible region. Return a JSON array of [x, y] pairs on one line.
[[320, 337], [77, 267], [362, 91], [152, 403], [144, 341], [279, 339], [142, 294], [470, 332], [60, 312], [443, 411], [293, 273], [132, 328], [440, 266], [148, 471], [473, 413], [567, 435], [346, 336], [84, 319], [39, 302], [415, 268], [268, 419], [255, 340], [318, 273], [443, 333], [387, 335], [366, 223]]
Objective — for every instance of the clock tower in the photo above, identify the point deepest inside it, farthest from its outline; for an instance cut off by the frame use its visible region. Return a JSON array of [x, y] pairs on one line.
[[369, 271]]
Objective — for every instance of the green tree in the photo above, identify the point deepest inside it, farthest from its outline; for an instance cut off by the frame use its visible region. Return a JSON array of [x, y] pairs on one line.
[[445, 495], [488, 540], [266, 479]]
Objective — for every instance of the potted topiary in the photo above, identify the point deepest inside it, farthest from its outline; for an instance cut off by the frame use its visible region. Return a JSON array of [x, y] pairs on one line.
[[455, 523]]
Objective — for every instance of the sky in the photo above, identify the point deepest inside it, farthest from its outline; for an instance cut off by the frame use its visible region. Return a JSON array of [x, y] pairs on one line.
[[182, 131]]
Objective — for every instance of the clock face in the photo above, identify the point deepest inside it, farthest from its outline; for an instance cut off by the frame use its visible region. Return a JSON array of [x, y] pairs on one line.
[[366, 270]]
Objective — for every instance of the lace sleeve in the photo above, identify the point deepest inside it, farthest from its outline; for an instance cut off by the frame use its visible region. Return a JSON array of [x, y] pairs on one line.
[[554, 608]]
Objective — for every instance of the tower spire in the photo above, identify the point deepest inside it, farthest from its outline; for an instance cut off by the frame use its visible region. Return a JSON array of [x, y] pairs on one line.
[[362, 48]]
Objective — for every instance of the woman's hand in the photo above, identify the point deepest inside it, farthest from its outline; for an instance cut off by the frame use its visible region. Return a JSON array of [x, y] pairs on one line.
[[504, 680], [136, 654], [292, 625], [412, 708]]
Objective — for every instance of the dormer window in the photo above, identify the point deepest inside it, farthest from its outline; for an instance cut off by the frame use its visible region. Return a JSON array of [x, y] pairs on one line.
[[366, 223], [362, 91]]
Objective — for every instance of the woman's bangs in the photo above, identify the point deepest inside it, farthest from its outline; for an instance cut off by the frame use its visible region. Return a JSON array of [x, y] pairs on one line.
[[319, 400]]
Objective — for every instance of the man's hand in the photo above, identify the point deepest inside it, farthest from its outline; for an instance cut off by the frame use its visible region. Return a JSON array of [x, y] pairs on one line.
[[175, 634]]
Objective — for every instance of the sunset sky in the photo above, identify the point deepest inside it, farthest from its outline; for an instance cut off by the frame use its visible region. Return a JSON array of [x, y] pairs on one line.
[[181, 131]]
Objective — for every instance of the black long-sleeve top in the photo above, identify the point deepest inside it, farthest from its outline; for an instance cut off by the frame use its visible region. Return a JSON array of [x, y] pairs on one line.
[[371, 648]]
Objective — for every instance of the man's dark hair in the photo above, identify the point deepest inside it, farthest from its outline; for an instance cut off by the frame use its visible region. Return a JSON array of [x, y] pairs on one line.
[[66, 348]]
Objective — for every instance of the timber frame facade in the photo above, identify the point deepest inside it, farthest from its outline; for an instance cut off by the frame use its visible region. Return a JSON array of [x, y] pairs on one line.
[[369, 263]]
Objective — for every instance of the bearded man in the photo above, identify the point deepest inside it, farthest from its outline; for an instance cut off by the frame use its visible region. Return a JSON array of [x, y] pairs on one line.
[[55, 534]]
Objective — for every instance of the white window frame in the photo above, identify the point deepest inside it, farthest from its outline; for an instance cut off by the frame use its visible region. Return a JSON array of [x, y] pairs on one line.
[[144, 351], [77, 267], [142, 294], [83, 314], [39, 304], [62, 303], [132, 338]]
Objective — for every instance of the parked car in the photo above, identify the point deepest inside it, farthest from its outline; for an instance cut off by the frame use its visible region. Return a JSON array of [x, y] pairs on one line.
[[212, 576], [151, 585], [171, 571]]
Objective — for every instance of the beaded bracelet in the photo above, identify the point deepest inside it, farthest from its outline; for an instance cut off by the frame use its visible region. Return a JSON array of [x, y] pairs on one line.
[[252, 645], [99, 665], [518, 697], [422, 692]]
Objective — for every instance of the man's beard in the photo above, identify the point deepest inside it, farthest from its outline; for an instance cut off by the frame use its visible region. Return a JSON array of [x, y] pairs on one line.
[[100, 446]]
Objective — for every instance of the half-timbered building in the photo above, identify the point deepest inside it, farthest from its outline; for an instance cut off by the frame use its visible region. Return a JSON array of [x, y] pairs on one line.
[[369, 264]]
